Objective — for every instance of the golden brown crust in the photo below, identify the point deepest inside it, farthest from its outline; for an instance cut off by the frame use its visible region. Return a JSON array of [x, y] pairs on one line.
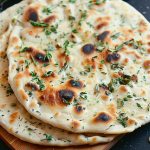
[[102, 117], [78, 109], [75, 124], [13, 117]]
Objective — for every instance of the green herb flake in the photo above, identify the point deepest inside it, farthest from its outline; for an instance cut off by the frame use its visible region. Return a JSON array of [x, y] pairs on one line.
[[96, 89], [138, 105], [35, 62], [23, 50], [49, 137], [115, 36], [103, 61], [13, 104], [63, 68], [38, 24], [46, 64]]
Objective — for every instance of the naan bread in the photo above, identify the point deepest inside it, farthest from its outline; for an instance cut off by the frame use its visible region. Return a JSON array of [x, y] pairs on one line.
[[82, 66], [17, 121]]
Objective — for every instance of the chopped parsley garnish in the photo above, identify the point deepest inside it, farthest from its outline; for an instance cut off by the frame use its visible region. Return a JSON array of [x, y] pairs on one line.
[[65, 101], [115, 36], [9, 90], [84, 15], [139, 105], [33, 74], [72, 1], [46, 64], [35, 62], [100, 46], [89, 24], [47, 10], [38, 24], [75, 31], [63, 68], [123, 119], [96, 89], [75, 83], [27, 64], [23, 50], [116, 66], [47, 74], [89, 68], [30, 93], [83, 73], [47, 32], [122, 122], [31, 129], [83, 95], [66, 45], [121, 80], [103, 61], [126, 43], [49, 137], [71, 18], [13, 104], [53, 28]]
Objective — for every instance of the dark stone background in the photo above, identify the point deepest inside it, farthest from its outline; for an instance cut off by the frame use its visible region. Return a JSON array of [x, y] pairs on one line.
[[139, 139]]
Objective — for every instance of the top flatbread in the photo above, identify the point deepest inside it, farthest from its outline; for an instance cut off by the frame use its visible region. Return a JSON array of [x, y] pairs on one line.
[[17, 121], [82, 66]]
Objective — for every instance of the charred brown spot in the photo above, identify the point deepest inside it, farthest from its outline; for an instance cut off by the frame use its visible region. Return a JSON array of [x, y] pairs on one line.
[[102, 117], [107, 18], [103, 88], [32, 15], [72, 36], [146, 64], [32, 86], [134, 78], [21, 62], [41, 57], [109, 58], [56, 99], [131, 121], [14, 117], [126, 60], [30, 49], [76, 83], [78, 109], [66, 95], [88, 49], [116, 56], [100, 26], [75, 124], [112, 57], [50, 19], [103, 36], [148, 50], [123, 89]]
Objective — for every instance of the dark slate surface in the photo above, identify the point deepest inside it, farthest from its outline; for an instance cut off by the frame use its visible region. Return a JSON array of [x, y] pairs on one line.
[[139, 139]]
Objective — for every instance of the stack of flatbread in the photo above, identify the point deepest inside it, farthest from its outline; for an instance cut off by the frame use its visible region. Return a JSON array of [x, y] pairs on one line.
[[73, 72]]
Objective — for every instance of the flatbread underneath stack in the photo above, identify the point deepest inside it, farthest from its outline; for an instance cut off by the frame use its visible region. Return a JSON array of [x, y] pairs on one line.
[[17, 121], [82, 66]]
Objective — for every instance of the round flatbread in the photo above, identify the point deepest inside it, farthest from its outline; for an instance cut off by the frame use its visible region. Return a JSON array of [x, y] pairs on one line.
[[18, 122], [82, 65]]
